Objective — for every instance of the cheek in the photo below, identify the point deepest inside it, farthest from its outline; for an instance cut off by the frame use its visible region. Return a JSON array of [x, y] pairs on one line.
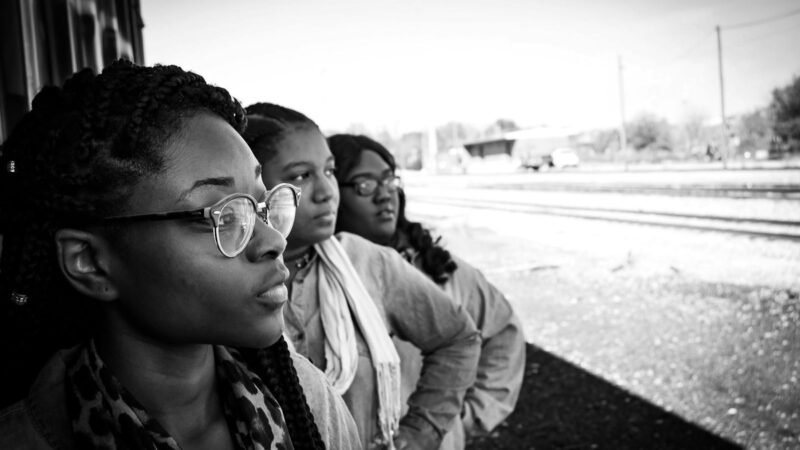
[[169, 258], [169, 268], [180, 293], [304, 211]]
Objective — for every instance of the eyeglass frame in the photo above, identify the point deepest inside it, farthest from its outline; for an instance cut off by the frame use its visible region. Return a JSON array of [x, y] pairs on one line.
[[392, 182], [213, 213]]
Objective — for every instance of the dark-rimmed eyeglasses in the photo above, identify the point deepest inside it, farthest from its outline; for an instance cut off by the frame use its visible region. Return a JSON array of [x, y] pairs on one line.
[[234, 217], [367, 186]]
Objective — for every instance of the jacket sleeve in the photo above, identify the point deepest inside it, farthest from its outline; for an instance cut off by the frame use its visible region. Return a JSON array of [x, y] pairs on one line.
[[18, 429], [502, 359], [418, 311], [333, 419]]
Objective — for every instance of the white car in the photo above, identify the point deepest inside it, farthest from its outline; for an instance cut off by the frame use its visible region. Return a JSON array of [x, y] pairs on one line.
[[563, 157]]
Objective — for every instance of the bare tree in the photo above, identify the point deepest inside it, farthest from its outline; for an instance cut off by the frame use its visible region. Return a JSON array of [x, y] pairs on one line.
[[693, 128]]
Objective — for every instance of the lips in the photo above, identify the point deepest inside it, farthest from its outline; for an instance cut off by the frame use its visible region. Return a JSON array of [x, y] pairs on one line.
[[325, 215], [386, 214], [275, 294], [274, 297]]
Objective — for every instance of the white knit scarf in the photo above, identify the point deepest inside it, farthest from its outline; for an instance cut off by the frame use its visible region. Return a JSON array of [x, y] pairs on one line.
[[340, 287]]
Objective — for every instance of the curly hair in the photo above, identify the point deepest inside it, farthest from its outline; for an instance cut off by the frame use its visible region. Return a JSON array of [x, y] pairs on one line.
[[268, 124], [76, 157], [436, 262]]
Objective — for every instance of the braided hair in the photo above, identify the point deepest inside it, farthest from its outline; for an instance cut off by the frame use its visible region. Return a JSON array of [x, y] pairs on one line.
[[76, 156], [278, 373], [268, 124], [436, 261]]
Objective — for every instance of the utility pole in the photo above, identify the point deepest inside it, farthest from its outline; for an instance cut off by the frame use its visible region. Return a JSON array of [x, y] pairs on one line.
[[724, 145], [429, 162], [623, 139]]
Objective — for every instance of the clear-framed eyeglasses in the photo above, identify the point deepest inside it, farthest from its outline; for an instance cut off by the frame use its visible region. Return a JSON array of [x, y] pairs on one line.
[[234, 217], [367, 186]]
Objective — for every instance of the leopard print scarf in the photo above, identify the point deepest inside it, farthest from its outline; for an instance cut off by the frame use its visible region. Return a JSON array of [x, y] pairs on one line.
[[105, 415]]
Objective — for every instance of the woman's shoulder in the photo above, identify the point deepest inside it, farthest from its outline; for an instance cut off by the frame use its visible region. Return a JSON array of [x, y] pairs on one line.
[[311, 378], [364, 251], [333, 419], [40, 421], [17, 429], [465, 271], [350, 241], [470, 287]]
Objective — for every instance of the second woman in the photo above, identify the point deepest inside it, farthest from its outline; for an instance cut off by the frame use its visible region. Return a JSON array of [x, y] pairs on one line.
[[348, 295]]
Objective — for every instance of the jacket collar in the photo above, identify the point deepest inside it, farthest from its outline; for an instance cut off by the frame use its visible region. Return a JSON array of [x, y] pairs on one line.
[[47, 401]]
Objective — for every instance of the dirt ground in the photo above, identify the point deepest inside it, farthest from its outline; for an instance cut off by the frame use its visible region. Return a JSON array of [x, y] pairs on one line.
[[625, 355]]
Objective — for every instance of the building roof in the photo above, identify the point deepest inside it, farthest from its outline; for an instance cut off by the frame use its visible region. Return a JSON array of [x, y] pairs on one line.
[[542, 132]]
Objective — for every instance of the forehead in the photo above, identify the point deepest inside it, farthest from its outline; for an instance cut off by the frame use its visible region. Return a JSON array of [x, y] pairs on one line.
[[303, 145], [205, 144], [205, 148], [370, 163]]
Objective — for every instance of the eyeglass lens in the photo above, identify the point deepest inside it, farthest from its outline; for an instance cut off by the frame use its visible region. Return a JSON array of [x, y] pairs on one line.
[[368, 186], [281, 210], [237, 219]]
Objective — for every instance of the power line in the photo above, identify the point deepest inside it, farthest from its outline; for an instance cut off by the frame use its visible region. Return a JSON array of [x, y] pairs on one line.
[[762, 21], [757, 39], [689, 50]]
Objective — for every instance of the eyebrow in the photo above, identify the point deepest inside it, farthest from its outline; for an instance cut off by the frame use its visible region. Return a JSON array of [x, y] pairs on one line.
[[306, 163], [383, 174], [215, 181]]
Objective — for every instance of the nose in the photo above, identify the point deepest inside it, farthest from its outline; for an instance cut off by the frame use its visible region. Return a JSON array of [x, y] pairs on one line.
[[266, 243], [324, 189], [382, 193]]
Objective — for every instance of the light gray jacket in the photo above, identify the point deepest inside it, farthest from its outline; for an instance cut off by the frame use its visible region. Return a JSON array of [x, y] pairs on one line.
[[415, 310]]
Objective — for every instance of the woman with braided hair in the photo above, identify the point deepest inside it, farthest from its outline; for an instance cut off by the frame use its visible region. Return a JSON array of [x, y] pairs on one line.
[[348, 297], [142, 264], [373, 205]]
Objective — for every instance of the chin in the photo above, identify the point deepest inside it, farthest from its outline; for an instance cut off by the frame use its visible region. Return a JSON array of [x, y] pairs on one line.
[[271, 340], [266, 334], [264, 340], [384, 235], [323, 234]]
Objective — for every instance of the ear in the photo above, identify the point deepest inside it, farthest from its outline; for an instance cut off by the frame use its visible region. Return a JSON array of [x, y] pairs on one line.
[[84, 259]]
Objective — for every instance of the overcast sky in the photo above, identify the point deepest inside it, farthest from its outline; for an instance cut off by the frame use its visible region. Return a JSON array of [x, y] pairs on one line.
[[405, 65]]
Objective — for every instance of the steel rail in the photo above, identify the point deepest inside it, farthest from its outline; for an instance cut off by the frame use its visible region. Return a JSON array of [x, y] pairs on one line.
[[736, 191], [617, 215]]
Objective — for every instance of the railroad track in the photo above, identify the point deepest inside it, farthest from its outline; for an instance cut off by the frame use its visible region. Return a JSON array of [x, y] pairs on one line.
[[775, 191], [766, 228]]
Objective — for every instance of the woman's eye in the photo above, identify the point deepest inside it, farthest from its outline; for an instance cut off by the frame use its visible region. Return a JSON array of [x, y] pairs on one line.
[[299, 177], [228, 219], [330, 172]]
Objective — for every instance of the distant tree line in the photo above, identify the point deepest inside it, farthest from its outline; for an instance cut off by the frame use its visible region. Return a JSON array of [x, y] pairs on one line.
[[785, 110], [648, 135]]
